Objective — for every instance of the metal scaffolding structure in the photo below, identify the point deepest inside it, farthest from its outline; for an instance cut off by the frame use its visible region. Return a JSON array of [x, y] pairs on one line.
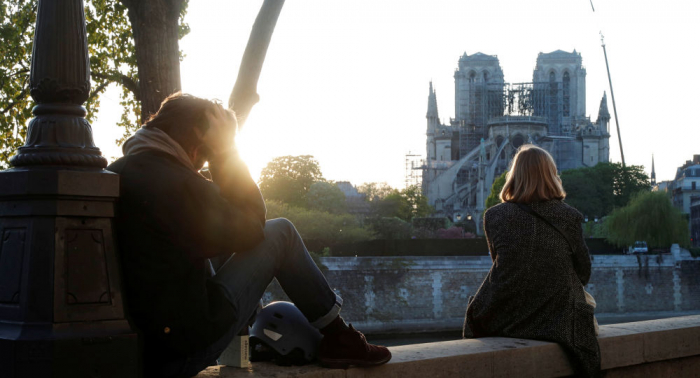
[[414, 169]]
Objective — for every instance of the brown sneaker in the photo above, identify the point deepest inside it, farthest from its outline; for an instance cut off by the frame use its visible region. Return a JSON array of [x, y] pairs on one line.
[[347, 347]]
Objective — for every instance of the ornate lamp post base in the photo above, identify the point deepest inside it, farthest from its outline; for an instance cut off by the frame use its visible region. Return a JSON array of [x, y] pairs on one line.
[[61, 308]]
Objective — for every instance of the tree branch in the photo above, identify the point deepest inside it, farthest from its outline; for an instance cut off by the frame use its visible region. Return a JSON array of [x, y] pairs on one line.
[[245, 92], [122, 79], [98, 90], [14, 101]]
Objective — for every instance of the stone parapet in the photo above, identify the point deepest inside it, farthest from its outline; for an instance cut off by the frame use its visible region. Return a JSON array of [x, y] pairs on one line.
[[656, 348]]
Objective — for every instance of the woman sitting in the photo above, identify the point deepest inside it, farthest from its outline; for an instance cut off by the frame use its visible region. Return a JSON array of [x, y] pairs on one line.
[[534, 289]]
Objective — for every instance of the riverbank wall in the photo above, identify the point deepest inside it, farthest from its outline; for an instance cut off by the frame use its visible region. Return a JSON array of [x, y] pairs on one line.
[[427, 294]]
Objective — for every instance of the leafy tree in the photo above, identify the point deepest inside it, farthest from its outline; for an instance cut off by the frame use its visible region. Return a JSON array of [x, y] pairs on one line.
[[375, 190], [325, 196], [650, 217], [417, 202], [391, 228], [404, 204], [320, 225], [115, 58], [494, 197], [393, 205], [596, 191], [289, 179]]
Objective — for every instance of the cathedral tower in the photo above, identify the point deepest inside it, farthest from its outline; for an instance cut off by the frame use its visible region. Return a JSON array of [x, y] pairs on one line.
[[561, 78], [478, 96]]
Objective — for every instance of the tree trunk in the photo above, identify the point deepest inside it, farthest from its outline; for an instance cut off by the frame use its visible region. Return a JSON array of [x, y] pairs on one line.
[[155, 24]]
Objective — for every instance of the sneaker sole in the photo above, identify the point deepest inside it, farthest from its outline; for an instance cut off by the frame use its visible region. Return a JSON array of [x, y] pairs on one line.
[[346, 363]]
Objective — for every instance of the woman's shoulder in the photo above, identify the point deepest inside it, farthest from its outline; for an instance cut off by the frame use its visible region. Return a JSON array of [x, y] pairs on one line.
[[563, 210], [503, 209]]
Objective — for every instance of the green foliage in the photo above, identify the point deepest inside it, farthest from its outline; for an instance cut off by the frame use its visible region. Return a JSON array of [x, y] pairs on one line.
[[494, 197], [112, 61], [592, 229], [289, 178], [427, 227], [391, 228], [375, 190], [320, 225], [325, 196], [649, 217], [405, 204], [417, 202], [430, 223], [17, 19], [596, 191]]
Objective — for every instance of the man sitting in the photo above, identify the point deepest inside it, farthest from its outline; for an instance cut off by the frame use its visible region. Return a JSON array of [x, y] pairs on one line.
[[198, 255]]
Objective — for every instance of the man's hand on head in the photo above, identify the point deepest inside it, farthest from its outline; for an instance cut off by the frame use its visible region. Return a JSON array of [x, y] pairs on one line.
[[222, 131]]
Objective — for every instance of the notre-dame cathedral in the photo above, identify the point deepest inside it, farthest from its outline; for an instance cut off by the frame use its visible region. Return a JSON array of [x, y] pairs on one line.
[[493, 118]]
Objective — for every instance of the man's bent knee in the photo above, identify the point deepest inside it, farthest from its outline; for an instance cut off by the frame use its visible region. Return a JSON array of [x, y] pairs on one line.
[[279, 223]]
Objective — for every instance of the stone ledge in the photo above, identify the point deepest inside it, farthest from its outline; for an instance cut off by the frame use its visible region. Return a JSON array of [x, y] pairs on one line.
[[669, 347]]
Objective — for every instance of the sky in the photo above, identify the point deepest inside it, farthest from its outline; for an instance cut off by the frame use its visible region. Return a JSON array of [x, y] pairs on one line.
[[347, 81]]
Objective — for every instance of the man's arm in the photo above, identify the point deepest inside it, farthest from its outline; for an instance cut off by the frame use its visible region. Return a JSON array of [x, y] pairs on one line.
[[231, 175]]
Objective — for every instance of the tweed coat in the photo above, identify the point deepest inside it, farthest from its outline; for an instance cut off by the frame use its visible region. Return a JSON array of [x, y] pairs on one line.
[[534, 289]]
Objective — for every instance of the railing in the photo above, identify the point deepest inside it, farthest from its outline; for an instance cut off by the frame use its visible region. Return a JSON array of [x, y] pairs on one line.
[[517, 119]]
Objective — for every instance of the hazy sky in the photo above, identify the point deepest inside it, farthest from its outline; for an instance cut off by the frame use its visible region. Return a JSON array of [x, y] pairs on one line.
[[347, 81]]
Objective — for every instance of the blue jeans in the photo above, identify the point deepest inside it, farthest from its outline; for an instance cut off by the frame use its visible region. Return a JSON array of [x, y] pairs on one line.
[[244, 278]]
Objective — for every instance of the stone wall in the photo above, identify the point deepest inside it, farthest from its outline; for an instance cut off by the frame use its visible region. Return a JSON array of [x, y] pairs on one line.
[[668, 348], [412, 294]]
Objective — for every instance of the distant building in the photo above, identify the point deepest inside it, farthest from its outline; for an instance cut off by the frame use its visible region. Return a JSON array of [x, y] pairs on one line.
[[695, 221], [355, 201], [493, 118], [662, 186], [686, 184]]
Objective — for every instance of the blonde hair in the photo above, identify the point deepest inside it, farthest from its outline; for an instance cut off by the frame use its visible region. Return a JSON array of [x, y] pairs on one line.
[[532, 177]]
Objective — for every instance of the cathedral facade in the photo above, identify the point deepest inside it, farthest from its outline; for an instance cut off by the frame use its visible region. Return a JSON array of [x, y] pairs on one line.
[[493, 118]]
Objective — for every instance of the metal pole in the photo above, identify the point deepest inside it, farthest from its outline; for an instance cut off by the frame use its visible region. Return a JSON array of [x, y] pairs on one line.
[[612, 94]]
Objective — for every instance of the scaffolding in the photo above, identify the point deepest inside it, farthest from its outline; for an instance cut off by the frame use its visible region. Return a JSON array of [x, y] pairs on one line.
[[414, 170], [550, 100]]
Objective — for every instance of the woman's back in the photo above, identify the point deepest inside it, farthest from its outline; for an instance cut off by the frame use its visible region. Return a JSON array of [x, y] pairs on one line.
[[534, 289], [533, 271]]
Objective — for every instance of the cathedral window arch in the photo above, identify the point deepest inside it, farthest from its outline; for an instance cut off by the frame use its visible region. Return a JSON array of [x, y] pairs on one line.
[[566, 94], [486, 76], [472, 76]]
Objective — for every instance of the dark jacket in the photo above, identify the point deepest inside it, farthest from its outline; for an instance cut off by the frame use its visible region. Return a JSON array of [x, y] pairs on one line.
[[169, 221], [534, 288]]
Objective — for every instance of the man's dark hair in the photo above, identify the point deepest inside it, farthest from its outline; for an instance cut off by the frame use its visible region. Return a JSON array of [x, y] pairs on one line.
[[179, 115]]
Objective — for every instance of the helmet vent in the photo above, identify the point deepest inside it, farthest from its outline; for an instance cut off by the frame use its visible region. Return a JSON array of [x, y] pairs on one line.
[[278, 315]]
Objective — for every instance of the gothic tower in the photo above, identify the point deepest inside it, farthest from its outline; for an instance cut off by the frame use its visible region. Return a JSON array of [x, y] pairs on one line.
[[561, 79], [433, 122], [478, 96]]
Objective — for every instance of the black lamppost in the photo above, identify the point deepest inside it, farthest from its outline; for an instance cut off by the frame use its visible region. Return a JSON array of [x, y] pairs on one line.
[[61, 307]]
